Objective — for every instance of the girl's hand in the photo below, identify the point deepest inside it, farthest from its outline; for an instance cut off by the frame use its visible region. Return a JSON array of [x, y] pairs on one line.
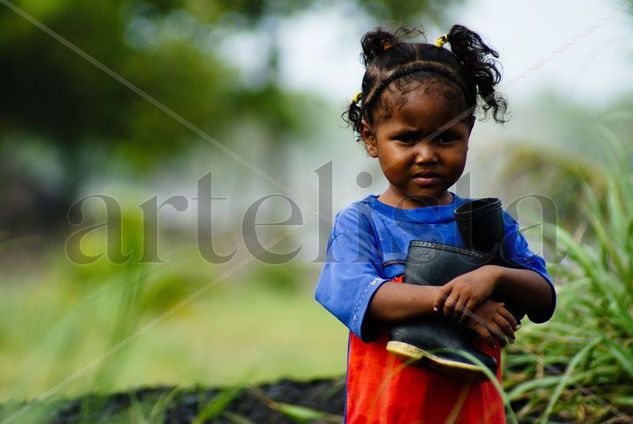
[[460, 296], [492, 321]]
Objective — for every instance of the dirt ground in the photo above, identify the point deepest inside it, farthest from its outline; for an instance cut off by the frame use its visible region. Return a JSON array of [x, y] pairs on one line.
[[286, 401]]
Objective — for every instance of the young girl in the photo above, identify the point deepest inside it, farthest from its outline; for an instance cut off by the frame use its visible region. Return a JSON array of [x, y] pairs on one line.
[[415, 114]]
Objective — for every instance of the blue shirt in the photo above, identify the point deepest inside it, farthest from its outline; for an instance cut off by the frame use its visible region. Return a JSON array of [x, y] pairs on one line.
[[368, 246]]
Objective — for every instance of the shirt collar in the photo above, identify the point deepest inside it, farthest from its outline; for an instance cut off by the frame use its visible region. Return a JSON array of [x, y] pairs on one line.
[[421, 215]]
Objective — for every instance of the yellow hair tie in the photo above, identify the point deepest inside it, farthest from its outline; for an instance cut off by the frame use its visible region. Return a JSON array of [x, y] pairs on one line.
[[441, 40], [357, 97]]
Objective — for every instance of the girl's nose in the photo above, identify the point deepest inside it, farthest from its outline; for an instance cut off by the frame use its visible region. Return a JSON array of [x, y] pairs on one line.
[[425, 153]]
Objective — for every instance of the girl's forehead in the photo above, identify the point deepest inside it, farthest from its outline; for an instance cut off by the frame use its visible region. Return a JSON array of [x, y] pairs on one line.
[[427, 102]]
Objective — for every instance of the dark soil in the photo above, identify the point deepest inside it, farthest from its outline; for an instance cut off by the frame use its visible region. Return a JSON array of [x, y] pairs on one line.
[[267, 403]]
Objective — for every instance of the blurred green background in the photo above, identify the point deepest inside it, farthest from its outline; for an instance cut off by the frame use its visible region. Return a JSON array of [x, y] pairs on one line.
[[140, 100]]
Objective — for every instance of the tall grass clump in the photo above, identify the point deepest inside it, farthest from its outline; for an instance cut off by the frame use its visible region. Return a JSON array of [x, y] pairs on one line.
[[579, 366]]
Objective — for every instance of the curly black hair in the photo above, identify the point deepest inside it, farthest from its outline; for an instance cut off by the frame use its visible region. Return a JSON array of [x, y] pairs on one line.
[[467, 72]]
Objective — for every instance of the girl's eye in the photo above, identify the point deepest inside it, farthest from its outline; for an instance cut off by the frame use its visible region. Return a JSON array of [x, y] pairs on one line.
[[445, 139], [407, 138]]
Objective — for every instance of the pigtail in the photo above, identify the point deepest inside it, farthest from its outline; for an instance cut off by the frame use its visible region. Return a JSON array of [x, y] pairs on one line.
[[353, 115], [479, 68], [382, 50], [375, 43]]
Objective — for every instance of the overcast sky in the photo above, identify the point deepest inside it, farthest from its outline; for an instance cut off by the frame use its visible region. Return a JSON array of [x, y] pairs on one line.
[[320, 49]]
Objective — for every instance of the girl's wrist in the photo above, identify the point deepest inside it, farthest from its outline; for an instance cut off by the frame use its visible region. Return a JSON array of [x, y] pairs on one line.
[[495, 273]]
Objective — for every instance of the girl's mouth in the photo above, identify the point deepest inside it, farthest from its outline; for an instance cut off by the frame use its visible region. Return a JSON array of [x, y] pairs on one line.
[[424, 181], [426, 178]]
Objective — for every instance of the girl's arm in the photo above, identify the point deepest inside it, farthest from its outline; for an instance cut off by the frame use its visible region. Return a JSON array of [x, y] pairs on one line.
[[529, 288], [524, 288], [397, 302]]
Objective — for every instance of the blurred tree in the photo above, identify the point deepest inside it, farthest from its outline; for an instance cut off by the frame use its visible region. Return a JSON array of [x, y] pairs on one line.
[[56, 104]]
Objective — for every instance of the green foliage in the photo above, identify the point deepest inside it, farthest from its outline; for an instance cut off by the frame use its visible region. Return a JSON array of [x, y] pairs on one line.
[[302, 414], [58, 94], [157, 412], [103, 327], [53, 91], [216, 406], [140, 82], [236, 419], [580, 367]]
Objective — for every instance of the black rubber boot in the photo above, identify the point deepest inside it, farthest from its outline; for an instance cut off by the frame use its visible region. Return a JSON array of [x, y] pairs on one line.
[[480, 224], [437, 340], [420, 342]]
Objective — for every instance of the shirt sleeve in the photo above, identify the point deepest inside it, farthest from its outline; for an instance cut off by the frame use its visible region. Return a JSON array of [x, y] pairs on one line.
[[516, 250], [352, 272]]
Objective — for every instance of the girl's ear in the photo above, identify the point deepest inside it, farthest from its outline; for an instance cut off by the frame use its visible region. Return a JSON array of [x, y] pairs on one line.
[[369, 139]]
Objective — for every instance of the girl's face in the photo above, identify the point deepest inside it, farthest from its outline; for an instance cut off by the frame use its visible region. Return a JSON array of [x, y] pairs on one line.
[[421, 148]]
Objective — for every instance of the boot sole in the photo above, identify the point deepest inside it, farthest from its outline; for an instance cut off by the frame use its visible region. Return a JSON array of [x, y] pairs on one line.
[[413, 353]]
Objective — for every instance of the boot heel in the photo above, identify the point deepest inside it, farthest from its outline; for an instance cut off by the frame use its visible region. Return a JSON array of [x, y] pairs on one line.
[[405, 351], [413, 355]]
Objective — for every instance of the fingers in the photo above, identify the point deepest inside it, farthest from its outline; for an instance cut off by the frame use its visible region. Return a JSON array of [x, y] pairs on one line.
[[506, 331], [449, 305], [443, 294], [480, 327], [494, 334], [492, 322], [459, 310], [498, 335], [508, 316], [502, 325], [468, 309]]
